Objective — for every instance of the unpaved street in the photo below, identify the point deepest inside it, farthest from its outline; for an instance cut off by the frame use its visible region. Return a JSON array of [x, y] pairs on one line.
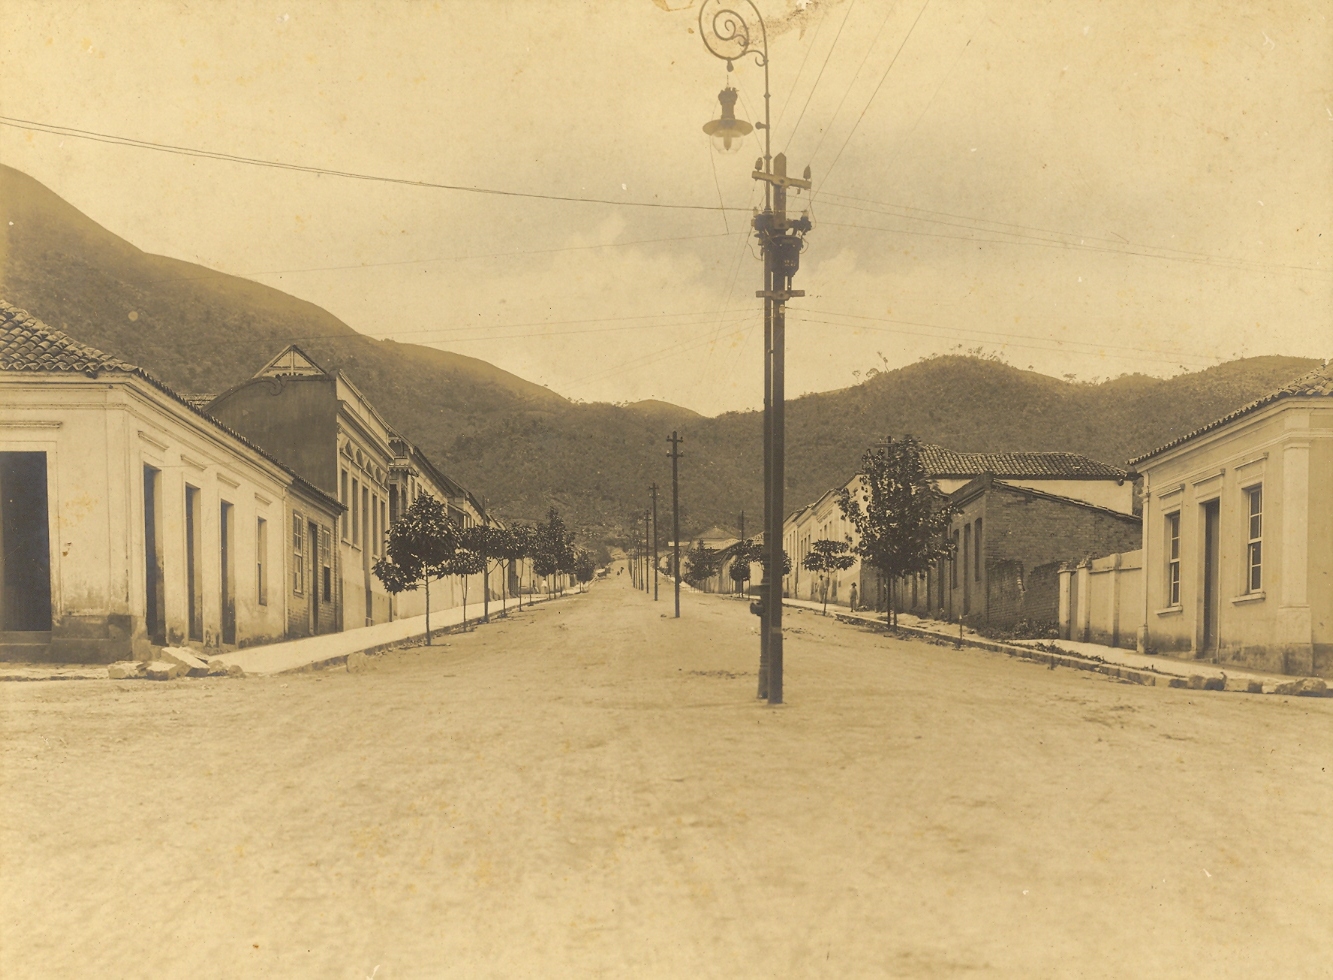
[[591, 789]]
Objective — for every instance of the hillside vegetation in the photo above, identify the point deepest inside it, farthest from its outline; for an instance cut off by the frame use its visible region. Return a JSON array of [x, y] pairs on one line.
[[523, 447]]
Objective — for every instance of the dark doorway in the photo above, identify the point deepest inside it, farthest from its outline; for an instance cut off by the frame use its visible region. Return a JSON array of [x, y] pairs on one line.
[[315, 557], [155, 619], [25, 546], [228, 574], [194, 577], [1211, 526]]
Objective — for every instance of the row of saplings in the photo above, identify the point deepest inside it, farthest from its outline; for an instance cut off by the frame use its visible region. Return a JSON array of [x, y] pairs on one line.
[[901, 519], [426, 543]]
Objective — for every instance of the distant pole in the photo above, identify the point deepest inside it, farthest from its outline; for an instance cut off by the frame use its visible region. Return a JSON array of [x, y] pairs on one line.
[[675, 455], [653, 489], [739, 548], [646, 547]]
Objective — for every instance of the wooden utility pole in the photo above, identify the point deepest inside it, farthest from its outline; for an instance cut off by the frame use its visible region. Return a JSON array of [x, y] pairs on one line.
[[646, 547], [675, 455], [653, 491], [741, 550]]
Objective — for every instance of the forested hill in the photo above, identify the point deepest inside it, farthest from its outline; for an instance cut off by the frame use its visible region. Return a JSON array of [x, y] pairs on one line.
[[523, 447]]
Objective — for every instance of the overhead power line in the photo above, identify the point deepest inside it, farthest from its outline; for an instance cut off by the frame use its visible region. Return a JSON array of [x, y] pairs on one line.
[[882, 77], [85, 134], [439, 258]]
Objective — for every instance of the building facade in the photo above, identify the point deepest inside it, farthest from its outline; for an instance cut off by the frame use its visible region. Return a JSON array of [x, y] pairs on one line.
[[130, 519], [1091, 506], [1238, 535], [318, 423]]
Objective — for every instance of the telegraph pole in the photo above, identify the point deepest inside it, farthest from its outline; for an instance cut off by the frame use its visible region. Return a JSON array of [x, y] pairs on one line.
[[675, 455], [741, 550], [646, 547], [653, 490]]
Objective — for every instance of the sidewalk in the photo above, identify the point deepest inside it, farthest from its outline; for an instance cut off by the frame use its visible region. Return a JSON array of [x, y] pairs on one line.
[[307, 653], [332, 649], [1126, 665]]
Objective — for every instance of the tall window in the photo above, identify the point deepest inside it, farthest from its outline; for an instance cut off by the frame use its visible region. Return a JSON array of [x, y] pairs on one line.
[[261, 560], [1254, 551], [1173, 559], [356, 512], [977, 562], [326, 562], [953, 563], [298, 554], [342, 488], [374, 524]]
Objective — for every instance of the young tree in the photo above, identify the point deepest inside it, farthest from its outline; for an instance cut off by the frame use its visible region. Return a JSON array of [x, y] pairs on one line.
[[899, 513], [465, 561], [490, 543], [522, 546], [554, 548], [702, 564], [585, 566], [826, 557], [419, 547], [742, 554]]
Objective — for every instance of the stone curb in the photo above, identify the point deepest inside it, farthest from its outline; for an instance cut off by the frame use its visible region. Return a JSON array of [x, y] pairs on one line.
[[355, 659], [1301, 687]]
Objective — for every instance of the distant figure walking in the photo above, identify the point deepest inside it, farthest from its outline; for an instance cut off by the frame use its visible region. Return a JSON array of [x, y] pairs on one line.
[[853, 598]]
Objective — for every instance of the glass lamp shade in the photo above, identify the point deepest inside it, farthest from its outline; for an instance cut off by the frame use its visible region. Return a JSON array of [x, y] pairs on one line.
[[727, 132]]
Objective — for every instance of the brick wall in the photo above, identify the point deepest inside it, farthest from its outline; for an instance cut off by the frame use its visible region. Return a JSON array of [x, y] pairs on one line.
[[1025, 537]]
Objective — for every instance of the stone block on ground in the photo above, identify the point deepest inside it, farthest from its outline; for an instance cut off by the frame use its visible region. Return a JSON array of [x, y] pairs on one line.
[[217, 668], [356, 661], [161, 670], [1245, 685], [127, 669], [1308, 687], [193, 665]]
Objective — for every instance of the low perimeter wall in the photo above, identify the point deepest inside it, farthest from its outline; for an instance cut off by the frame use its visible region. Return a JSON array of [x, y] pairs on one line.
[[1101, 600]]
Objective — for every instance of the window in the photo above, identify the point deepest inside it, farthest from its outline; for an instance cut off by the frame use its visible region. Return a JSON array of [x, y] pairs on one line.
[[261, 559], [356, 512], [342, 488], [977, 561], [374, 524], [953, 564], [384, 525], [1254, 552], [298, 554], [325, 561], [1173, 559]]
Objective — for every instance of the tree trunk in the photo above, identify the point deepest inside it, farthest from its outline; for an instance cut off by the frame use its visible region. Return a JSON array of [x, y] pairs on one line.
[[825, 596], [464, 603], [485, 589], [428, 610]]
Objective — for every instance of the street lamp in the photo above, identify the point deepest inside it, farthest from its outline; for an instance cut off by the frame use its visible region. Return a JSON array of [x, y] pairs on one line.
[[732, 34], [727, 131]]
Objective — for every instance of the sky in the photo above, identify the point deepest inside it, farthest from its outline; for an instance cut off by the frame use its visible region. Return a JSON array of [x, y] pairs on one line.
[[1088, 188]]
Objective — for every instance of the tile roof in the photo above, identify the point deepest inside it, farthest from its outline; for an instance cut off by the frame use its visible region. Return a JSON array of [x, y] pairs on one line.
[[28, 344], [1317, 384], [941, 462]]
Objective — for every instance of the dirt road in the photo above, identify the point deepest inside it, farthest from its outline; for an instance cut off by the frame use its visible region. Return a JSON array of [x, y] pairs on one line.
[[591, 789]]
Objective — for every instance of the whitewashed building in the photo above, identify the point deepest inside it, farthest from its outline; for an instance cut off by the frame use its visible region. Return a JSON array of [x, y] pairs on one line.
[[130, 519], [1238, 535]]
